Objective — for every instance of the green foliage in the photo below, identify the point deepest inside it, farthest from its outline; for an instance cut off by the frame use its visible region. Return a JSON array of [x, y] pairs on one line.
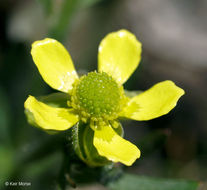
[[4, 117], [60, 28], [67, 9], [47, 5], [87, 3], [6, 163], [135, 182]]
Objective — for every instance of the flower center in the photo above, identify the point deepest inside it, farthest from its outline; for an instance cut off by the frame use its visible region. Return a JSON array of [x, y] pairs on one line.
[[97, 97]]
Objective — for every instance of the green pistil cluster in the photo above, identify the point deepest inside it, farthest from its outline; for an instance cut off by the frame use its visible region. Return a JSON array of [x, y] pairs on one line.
[[97, 98]]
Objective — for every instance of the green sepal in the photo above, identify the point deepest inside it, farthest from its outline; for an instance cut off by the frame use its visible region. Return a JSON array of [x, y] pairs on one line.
[[58, 100], [77, 140], [92, 155], [133, 93], [82, 137]]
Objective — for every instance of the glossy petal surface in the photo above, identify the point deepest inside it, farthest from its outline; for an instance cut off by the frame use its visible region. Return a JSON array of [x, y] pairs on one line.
[[119, 55], [54, 64], [109, 144], [50, 118], [153, 103]]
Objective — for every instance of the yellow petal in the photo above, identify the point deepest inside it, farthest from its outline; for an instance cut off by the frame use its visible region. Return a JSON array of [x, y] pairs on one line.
[[155, 102], [109, 144], [50, 118], [119, 55], [54, 64]]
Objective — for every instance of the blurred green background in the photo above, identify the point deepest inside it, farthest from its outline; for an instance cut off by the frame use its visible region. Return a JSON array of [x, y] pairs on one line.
[[174, 38]]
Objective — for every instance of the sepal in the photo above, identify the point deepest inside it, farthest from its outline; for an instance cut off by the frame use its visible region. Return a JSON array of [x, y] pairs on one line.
[[82, 137]]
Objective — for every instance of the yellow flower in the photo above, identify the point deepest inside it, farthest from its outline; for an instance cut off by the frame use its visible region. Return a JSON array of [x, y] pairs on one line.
[[98, 98]]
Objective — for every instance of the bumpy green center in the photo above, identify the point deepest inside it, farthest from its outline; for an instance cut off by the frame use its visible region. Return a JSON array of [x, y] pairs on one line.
[[97, 97]]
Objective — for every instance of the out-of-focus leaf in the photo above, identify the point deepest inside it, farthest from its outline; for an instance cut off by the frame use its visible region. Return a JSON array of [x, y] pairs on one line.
[[36, 151], [60, 27], [87, 3], [153, 141], [35, 169], [4, 117], [134, 182], [47, 5], [6, 164]]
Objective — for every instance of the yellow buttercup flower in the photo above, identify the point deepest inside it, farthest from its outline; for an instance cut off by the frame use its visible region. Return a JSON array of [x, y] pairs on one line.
[[98, 98]]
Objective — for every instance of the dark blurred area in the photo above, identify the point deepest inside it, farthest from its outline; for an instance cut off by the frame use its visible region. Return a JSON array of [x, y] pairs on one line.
[[174, 38]]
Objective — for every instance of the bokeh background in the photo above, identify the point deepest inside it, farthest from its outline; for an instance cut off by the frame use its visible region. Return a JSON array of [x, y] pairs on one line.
[[174, 38]]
